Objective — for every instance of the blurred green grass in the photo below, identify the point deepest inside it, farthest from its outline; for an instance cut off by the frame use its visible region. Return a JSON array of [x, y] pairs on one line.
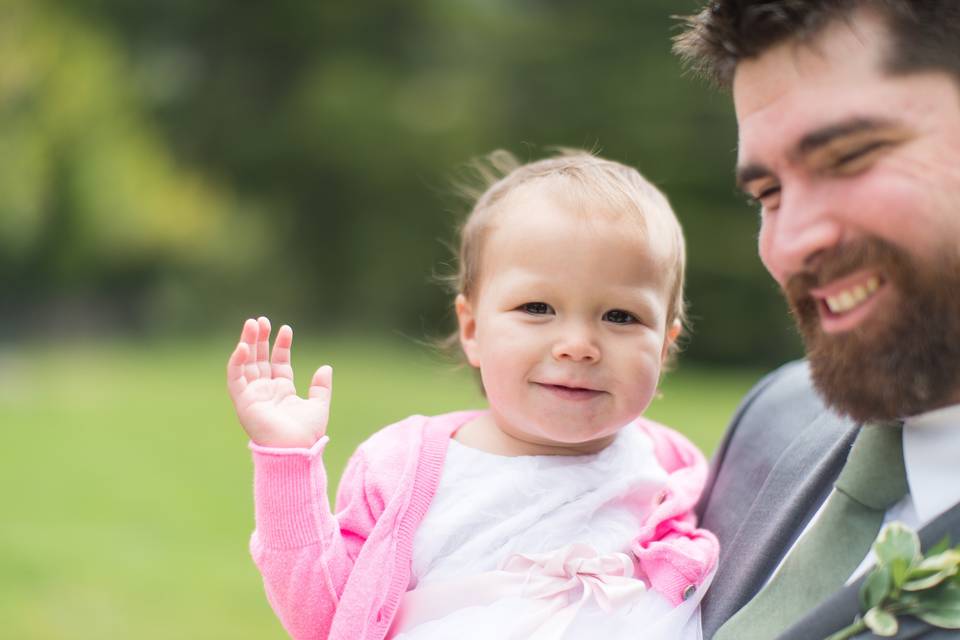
[[127, 483]]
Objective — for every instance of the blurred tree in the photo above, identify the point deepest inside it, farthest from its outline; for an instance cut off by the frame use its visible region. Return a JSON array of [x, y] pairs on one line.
[[92, 203]]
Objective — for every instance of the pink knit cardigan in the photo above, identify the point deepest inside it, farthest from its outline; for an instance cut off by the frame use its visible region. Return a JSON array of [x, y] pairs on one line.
[[341, 576]]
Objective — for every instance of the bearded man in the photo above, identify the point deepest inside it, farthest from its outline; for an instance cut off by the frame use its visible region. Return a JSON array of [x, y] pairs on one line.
[[849, 142]]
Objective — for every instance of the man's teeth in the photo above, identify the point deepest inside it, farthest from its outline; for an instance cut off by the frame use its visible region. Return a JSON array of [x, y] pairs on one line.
[[853, 297]]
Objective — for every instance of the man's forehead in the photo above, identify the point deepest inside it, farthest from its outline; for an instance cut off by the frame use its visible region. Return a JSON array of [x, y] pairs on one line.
[[799, 91], [845, 51]]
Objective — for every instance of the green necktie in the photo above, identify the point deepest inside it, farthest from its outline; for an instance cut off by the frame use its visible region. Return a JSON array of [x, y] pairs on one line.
[[872, 480]]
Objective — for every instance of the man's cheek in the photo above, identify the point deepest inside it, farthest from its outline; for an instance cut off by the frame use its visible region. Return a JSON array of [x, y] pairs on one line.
[[908, 204]]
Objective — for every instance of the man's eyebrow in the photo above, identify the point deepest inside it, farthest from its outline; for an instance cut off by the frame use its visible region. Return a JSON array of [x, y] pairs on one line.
[[820, 138], [750, 172], [813, 141]]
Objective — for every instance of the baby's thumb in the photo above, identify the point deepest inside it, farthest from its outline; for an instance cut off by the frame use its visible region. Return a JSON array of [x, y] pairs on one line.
[[322, 384]]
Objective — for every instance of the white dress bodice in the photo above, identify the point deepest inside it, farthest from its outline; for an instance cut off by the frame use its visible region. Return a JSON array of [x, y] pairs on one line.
[[513, 547]]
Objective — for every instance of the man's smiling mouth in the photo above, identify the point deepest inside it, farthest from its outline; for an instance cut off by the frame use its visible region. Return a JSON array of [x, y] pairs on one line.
[[852, 297], [846, 302]]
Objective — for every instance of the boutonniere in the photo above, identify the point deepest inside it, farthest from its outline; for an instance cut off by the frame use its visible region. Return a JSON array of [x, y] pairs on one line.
[[906, 583]]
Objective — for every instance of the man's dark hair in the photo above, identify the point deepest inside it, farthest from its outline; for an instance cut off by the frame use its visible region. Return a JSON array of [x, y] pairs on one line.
[[925, 34]]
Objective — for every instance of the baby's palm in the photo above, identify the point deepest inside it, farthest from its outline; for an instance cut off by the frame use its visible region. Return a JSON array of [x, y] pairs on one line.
[[264, 395]]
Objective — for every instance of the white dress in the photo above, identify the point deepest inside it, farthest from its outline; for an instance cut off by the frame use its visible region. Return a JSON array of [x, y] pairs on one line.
[[539, 547]]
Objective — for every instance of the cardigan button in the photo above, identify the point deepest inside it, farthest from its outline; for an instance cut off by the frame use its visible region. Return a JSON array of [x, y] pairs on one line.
[[689, 591], [661, 497]]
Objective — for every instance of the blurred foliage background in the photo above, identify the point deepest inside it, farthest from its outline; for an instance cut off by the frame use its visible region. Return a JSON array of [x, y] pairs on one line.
[[175, 166], [170, 168]]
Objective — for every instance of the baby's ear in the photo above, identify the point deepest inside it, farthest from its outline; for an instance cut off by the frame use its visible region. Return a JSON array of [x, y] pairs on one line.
[[673, 332], [468, 329]]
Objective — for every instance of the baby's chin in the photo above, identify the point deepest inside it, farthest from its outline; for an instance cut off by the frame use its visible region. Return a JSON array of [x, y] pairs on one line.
[[575, 443]]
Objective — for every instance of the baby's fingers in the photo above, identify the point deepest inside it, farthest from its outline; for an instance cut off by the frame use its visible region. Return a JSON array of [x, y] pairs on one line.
[[322, 384], [236, 380], [280, 358], [263, 346]]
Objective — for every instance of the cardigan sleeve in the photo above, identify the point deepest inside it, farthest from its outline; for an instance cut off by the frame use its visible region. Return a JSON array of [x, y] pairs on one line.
[[304, 552], [676, 556]]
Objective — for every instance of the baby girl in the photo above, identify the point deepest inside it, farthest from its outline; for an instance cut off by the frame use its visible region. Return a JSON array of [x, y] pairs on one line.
[[556, 512]]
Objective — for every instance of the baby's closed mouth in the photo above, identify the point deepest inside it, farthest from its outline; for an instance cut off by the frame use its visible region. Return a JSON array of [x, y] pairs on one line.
[[570, 391]]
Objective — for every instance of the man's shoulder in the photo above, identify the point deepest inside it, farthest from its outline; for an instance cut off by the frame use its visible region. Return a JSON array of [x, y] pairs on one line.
[[768, 422], [784, 398], [790, 382]]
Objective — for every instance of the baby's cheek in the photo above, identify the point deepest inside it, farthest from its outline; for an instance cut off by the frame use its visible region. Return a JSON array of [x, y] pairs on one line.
[[497, 387], [643, 378]]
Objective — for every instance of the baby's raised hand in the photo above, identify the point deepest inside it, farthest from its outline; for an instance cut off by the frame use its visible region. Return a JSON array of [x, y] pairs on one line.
[[261, 387]]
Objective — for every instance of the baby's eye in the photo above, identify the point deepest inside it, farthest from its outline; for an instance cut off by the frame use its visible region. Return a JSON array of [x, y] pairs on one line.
[[619, 316], [536, 308]]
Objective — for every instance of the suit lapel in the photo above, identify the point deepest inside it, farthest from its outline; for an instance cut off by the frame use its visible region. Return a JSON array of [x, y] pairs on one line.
[[794, 488], [840, 608]]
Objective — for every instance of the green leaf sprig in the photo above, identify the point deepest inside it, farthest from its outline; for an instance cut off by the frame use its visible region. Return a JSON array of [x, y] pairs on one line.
[[906, 583]]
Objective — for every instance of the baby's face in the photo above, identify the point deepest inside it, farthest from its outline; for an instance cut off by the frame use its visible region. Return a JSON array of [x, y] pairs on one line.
[[568, 325]]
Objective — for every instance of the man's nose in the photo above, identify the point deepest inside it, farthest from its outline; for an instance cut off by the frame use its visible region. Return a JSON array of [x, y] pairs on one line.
[[793, 237], [576, 342]]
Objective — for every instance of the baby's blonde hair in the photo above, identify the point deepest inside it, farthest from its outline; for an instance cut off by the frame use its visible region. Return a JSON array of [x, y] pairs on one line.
[[589, 179]]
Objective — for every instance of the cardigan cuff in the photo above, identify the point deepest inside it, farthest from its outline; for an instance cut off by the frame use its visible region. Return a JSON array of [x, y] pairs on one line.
[[678, 565], [287, 485]]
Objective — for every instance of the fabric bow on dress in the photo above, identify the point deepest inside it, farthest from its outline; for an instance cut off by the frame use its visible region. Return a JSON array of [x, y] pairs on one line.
[[561, 582]]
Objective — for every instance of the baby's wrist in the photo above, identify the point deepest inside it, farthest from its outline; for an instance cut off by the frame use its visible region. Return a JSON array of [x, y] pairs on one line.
[[289, 448], [284, 441]]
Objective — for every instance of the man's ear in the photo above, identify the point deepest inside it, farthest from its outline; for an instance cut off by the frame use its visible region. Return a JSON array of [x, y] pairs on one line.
[[673, 332], [468, 329]]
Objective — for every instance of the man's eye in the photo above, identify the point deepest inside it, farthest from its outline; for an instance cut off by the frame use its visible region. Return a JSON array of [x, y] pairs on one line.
[[767, 197], [536, 308], [859, 158], [769, 191], [619, 316]]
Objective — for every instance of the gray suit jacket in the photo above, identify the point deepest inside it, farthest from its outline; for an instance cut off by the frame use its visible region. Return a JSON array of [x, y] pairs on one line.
[[775, 466]]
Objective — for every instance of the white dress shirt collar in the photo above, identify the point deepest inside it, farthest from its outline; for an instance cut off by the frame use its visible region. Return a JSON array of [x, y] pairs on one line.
[[931, 455]]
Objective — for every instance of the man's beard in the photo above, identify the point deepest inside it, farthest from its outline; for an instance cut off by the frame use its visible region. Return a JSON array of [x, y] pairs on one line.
[[904, 358]]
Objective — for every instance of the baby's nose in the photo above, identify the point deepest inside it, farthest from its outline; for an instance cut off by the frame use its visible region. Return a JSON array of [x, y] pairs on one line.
[[576, 345]]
